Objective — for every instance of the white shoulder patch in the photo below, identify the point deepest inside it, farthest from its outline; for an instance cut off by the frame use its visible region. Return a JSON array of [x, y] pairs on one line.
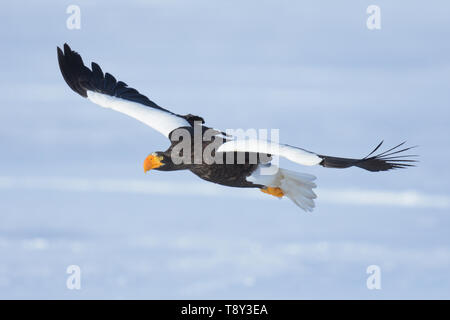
[[159, 120], [283, 150]]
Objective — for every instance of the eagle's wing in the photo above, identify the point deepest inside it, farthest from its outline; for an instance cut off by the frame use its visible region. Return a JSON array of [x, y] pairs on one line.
[[384, 161], [294, 154], [106, 91]]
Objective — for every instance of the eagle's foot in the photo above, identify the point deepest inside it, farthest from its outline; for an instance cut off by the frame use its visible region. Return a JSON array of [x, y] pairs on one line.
[[276, 192]]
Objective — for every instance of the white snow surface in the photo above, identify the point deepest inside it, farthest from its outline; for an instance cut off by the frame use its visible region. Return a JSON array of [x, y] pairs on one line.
[[72, 187]]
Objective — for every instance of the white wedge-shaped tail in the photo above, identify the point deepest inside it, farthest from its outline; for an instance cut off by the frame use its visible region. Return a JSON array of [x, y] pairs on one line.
[[299, 188], [295, 185]]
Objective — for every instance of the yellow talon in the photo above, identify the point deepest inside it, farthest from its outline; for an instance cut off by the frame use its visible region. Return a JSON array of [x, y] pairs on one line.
[[276, 192]]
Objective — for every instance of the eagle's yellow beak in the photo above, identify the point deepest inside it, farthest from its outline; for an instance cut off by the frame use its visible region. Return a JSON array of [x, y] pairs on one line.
[[152, 161]]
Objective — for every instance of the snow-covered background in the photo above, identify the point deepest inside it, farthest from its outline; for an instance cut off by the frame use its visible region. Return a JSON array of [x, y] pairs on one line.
[[72, 188]]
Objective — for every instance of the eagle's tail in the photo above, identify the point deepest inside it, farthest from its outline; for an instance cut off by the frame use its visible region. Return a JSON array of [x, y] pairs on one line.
[[299, 188], [295, 185]]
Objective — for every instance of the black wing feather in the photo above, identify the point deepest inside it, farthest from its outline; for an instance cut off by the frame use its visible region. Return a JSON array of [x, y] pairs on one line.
[[82, 79], [381, 162]]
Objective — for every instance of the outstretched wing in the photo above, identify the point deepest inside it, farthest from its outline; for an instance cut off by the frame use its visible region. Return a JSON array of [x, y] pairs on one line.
[[294, 154], [390, 159], [106, 91]]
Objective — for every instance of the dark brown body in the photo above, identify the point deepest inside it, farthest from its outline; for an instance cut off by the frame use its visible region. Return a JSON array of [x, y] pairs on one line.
[[229, 169]]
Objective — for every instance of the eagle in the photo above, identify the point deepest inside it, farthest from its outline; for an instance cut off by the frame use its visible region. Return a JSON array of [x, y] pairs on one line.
[[251, 164]]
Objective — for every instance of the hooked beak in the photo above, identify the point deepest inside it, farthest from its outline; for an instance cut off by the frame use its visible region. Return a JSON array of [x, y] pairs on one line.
[[152, 161]]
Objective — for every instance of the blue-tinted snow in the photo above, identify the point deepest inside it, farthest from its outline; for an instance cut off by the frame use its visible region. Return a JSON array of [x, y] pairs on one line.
[[311, 69]]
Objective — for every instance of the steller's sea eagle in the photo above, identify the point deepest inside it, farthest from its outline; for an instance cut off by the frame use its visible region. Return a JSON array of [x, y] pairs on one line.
[[255, 169]]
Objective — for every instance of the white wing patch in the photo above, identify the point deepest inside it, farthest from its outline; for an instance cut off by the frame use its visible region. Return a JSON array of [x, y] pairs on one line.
[[161, 121], [283, 150]]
